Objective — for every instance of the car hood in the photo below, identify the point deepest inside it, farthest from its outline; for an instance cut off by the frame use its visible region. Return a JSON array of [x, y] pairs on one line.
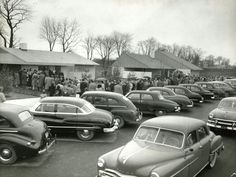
[[223, 113], [137, 154]]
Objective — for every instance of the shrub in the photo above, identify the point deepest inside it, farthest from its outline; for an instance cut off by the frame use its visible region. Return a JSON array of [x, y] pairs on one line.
[[6, 79]]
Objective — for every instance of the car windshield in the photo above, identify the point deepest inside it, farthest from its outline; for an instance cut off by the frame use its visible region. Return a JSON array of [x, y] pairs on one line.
[[88, 107], [25, 116], [229, 104], [160, 136]]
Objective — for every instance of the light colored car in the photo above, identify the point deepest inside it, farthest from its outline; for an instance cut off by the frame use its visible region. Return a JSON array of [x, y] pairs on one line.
[[232, 82], [163, 147], [224, 116]]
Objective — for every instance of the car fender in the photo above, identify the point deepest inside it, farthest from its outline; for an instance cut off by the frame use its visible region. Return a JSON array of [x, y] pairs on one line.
[[217, 144], [177, 167]]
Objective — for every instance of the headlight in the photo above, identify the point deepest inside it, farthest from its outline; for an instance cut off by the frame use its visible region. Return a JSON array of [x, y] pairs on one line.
[[101, 163], [211, 115], [154, 174]]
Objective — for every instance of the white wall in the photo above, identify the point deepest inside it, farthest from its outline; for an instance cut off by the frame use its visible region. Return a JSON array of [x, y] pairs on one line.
[[77, 71]]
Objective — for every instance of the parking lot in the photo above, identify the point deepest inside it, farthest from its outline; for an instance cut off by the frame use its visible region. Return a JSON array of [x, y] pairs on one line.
[[74, 158]]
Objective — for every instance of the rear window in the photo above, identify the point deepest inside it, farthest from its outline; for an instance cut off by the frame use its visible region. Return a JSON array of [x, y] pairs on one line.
[[25, 116]]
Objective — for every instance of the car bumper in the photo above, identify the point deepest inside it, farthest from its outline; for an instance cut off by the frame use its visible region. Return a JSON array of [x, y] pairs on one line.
[[48, 146], [224, 127], [111, 129], [139, 117], [177, 109]]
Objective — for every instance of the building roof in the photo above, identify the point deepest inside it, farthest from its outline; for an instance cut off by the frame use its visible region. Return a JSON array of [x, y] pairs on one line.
[[38, 57], [131, 60], [172, 61]]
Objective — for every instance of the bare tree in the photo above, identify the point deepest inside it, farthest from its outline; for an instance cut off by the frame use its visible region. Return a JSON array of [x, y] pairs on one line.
[[3, 33], [89, 44], [122, 42], [14, 12], [49, 31], [69, 34], [148, 46], [105, 47]]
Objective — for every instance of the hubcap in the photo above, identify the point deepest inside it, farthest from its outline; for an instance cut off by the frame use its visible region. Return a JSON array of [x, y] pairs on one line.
[[85, 133], [6, 154]]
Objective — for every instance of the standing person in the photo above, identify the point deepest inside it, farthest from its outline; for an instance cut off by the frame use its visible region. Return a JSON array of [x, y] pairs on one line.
[[92, 86], [83, 86], [118, 88], [16, 79], [2, 95], [34, 80], [48, 83]]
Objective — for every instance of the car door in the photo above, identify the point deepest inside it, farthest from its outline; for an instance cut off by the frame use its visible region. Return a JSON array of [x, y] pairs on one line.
[[6, 126], [101, 102], [147, 103], [179, 91], [204, 139], [115, 105], [46, 112], [67, 115], [135, 98], [193, 153]]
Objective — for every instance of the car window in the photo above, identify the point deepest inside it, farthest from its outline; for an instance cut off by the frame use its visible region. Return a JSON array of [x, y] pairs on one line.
[[164, 93], [179, 91], [62, 108], [195, 89], [134, 96], [48, 107], [191, 139], [88, 98], [5, 123], [229, 104], [146, 97], [100, 100], [202, 133], [25, 116], [112, 101], [209, 86]]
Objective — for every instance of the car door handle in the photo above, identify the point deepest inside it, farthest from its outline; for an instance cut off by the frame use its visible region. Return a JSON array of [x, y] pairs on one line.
[[200, 147]]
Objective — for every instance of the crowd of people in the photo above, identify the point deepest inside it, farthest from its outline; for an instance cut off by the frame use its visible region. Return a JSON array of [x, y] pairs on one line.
[[51, 83]]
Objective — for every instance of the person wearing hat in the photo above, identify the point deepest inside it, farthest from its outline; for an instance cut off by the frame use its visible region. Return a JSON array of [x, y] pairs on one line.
[[2, 96]]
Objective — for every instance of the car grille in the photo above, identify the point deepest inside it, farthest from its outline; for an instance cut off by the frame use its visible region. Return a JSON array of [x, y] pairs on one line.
[[113, 173], [222, 122]]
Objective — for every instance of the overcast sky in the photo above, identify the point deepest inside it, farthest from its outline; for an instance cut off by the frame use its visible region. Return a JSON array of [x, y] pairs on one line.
[[206, 24]]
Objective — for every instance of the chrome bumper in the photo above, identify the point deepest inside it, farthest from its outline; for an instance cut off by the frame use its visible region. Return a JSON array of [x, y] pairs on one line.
[[140, 116], [220, 126], [48, 146], [112, 129]]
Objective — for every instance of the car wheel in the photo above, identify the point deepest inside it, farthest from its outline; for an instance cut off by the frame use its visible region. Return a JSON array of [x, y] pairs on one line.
[[120, 121], [159, 112], [85, 135], [213, 160], [7, 154]]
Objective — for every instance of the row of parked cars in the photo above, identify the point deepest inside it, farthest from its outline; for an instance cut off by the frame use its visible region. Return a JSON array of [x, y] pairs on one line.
[[25, 131]]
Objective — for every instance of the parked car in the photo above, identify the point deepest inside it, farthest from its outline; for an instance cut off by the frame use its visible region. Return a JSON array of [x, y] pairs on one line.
[[183, 101], [152, 102], [224, 116], [218, 92], [232, 82], [163, 147], [229, 91], [121, 107], [71, 114], [20, 134], [195, 97], [206, 94]]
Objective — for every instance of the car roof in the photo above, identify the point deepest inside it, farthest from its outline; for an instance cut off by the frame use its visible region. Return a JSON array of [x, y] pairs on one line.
[[160, 88], [176, 86], [229, 98], [103, 93], [221, 82], [66, 100], [11, 111], [189, 85], [177, 123], [144, 91]]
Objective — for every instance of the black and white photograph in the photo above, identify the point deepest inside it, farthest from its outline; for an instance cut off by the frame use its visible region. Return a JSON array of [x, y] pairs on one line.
[[117, 88]]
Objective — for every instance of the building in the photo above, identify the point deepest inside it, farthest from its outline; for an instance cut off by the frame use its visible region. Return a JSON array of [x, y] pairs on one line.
[[70, 64], [162, 65]]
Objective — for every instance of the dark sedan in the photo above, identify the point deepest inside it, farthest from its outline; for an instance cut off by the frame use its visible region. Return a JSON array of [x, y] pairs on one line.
[[20, 134], [195, 97], [218, 92], [207, 95], [70, 113], [169, 94], [120, 106], [229, 91], [152, 102]]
